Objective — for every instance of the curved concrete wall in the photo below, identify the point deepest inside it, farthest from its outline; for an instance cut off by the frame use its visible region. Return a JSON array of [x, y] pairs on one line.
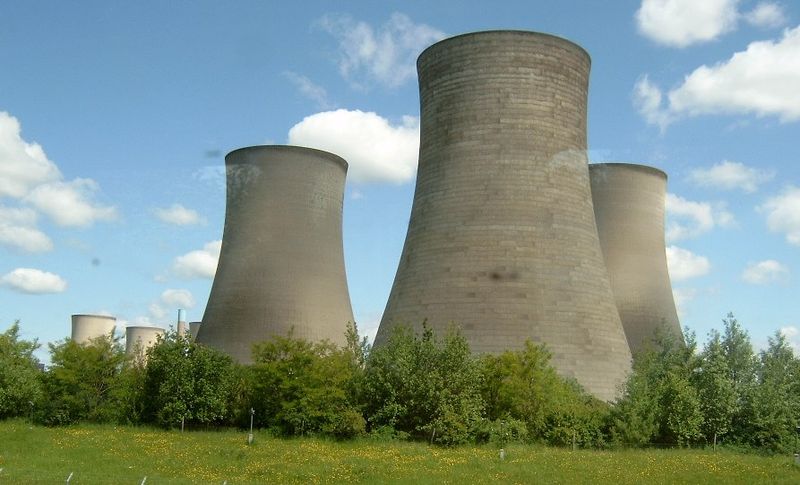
[[629, 209], [282, 262], [502, 237], [194, 327], [88, 327], [139, 339]]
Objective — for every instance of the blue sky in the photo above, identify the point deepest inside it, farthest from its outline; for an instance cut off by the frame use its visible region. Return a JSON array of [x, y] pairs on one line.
[[115, 118]]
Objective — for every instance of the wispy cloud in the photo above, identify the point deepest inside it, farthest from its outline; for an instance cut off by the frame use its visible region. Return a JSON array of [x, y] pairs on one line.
[[178, 215], [728, 175], [765, 272], [385, 55], [783, 214], [688, 219], [309, 89], [684, 264]]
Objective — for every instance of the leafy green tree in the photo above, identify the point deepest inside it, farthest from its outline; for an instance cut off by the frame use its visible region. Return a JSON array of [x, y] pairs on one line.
[[423, 386], [659, 404], [298, 387], [187, 382], [20, 384], [775, 402], [743, 367], [522, 385], [82, 382], [716, 389]]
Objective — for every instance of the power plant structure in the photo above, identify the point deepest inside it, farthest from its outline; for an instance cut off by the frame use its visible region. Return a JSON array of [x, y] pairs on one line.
[[194, 327], [502, 240], [86, 328], [281, 266], [629, 203], [140, 338]]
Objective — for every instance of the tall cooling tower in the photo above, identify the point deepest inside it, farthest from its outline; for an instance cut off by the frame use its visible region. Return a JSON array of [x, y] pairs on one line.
[[502, 238], [281, 266], [139, 339], [629, 209], [88, 327]]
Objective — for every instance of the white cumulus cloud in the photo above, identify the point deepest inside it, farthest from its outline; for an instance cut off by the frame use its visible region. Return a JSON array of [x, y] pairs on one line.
[[688, 219], [34, 281], [783, 214], [375, 149], [178, 215], [170, 300], [728, 175], [766, 14], [23, 165], [765, 272], [26, 174], [70, 203], [178, 297], [18, 230], [387, 54], [200, 263], [762, 80], [684, 264], [680, 23]]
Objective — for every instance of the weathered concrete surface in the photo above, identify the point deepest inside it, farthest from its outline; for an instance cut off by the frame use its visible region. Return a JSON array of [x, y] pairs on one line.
[[88, 327], [629, 210], [502, 238], [281, 266], [140, 338]]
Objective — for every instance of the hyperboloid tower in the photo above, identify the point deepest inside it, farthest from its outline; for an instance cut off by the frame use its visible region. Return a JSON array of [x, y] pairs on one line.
[[629, 209], [86, 328], [502, 240], [281, 266]]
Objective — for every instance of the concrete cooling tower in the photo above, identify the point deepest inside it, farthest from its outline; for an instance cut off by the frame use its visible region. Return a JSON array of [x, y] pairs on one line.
[[139, 339], [281, 266], [629, 209], [502, 238], [88, 327], [194, 327]]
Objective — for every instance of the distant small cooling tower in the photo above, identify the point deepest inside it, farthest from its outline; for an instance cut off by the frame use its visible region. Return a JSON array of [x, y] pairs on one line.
[[139, 339], [88, 327], [281, 266], [502, 238], [629, 209]]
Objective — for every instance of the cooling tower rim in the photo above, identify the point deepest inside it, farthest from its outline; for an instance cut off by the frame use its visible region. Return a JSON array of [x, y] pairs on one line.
[[291, 148], [531, 33], [633, 166], [144, 327], [92, 315]]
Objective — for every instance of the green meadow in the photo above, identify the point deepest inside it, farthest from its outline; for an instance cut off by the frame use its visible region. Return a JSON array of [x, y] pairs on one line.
[[103, 454]]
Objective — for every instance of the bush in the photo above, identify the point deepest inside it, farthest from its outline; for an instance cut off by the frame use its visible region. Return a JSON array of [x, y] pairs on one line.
[[187, 382], [425, 387], [20, 386], [82, 382], [523, 386], [302, 388]]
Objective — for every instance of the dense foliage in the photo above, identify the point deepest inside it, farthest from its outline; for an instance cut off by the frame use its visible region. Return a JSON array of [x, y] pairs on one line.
[[421, 386], [20, 385], [424, 387], [82, 383], [186, 383]]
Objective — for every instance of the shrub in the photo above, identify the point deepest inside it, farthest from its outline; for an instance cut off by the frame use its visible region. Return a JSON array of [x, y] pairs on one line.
[[20, 386]]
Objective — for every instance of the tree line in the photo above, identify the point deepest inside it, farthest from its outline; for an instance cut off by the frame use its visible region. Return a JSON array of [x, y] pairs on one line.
[[417, 386]]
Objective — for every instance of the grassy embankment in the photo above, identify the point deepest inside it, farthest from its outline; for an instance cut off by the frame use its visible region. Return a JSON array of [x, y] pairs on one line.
[[107, 454]]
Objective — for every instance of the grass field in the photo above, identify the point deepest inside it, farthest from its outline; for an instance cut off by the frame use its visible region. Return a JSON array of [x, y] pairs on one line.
[[121, 455]]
